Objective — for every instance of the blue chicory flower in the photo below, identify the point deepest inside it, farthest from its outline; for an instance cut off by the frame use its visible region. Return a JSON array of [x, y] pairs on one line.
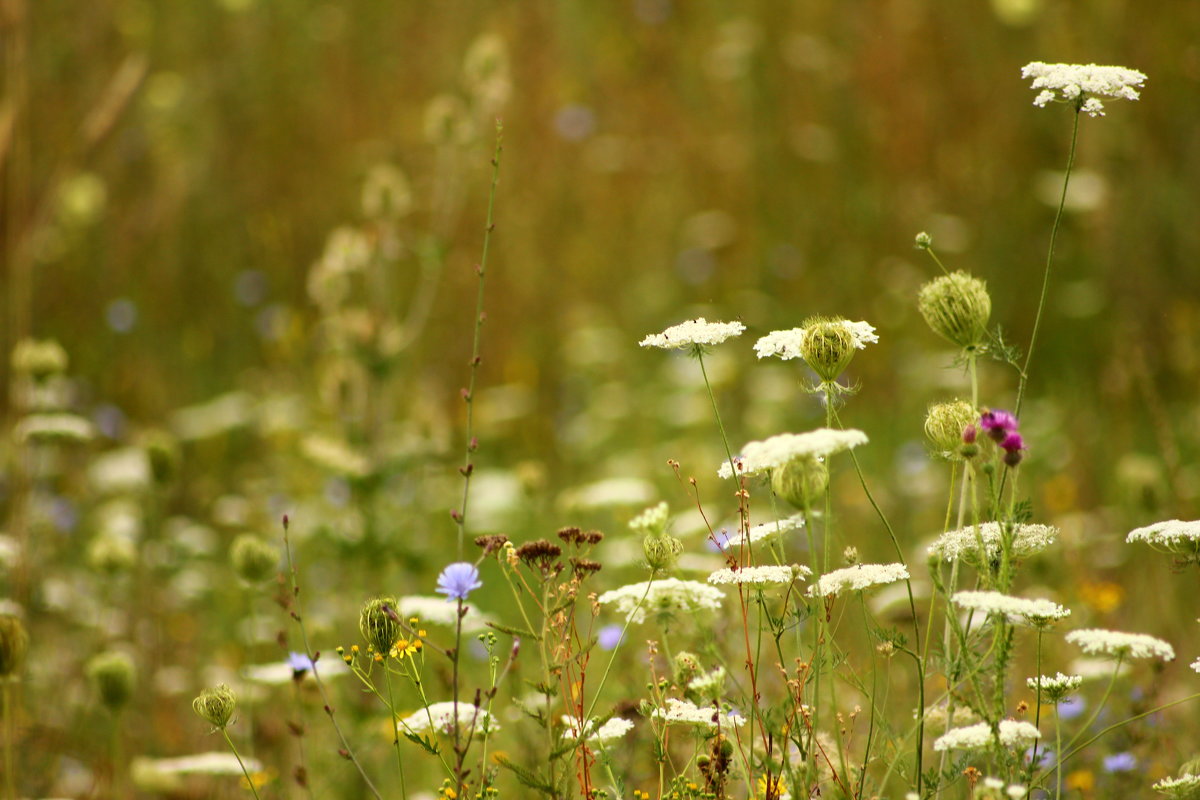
[[458, 580], [1120, 762]]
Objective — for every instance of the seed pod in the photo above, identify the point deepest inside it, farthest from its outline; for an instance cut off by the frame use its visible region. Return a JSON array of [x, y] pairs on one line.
[[957, 308]]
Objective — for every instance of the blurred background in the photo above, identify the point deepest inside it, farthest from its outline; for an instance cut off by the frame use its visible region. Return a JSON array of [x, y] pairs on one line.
[[253, 226]]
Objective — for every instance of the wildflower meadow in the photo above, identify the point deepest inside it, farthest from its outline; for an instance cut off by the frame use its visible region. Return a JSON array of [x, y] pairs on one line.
[[566, 401]]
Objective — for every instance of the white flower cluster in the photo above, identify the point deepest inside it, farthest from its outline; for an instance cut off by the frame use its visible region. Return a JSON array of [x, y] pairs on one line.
[[995, 788], [1115, 643], [439, 718], [1172, 536], [1057, 686], [684, 712], [1013, 734], [709, 684], [964, 542], [787, 344], [697, 332], [759, 576], [775, 452], [668, 595], [652, 519], [1035, 612], [436, 611], [1185, 786], [615, 728], [1070, 82], [212, 763], [764, 531], [857, 578], [1196, 665], [54, 427]]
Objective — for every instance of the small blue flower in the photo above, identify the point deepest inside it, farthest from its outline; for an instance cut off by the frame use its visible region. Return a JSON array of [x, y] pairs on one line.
[[458, 580], [1120, 762], [1071, 707], [609, 636], [299, 663]]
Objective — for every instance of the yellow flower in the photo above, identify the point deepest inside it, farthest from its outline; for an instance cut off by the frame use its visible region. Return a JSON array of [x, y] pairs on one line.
[[403, 648], [1081, 779]]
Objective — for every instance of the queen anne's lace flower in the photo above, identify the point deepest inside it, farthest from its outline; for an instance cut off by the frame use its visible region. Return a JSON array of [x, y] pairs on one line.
[[697, 332], [666, 596], [436, 611], [1082, 83], [1013, 734], [1186, 786], [1116, 643], [775, 452], [1196, 665], [787, 344], [964, 542], [759, 576], [615, 728], [1057, 687], [1172, 536], [684, 712], [439, 718], [1035, 612], [763, 531], [857, 578]]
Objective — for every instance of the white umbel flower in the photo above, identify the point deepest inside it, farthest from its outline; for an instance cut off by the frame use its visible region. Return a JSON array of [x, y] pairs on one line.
[[213, 763], [857, 578], [764, 531], [697, 332], [964, 542], [54, 427], [1036, 612], [1186, 785], [1196, 665], [434, 610], [759, 576], [760, 456], [683, 712], [1174, 536], [1097, 641], [1082, 83], [439, 718], [666, 596], [1013, 734], [615, 728], [787, 344], [1056, 687]]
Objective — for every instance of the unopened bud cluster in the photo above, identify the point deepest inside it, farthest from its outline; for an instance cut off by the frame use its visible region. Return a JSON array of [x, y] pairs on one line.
[[957, 308]]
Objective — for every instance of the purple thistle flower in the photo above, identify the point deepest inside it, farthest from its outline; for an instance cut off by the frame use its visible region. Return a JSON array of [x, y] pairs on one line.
[[458, 580], [998, 424], [1013, 444], [1120, 762]]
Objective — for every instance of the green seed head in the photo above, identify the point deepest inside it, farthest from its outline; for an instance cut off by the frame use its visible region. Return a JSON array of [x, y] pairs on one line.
[[801, 481], [254, 559], [944, 426], [686, 668], [14, 643], [113, 675], [661, 552], [216, 705], [957, 308], [379, 623], [828, 347]]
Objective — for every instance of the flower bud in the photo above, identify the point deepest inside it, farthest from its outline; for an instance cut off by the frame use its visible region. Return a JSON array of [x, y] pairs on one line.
[[828, 347], [14, 642], [113, 675], [957, 308], [379, 623], [216, 705], [850, 556], [923, 241], [685, 668], [800, 481], [946, 426], [254, 559]]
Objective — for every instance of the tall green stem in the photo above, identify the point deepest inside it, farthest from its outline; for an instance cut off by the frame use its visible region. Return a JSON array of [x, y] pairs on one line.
[[241, 764], [1037, 320], [460, 516]]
